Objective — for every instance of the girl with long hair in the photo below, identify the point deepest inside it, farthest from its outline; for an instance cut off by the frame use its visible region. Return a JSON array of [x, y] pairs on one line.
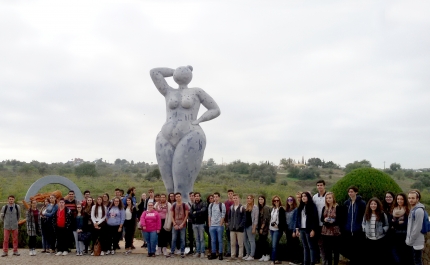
[[98, 217], [251, 222], [399, 224], [172, 198], [293, 243], [50, 211], [106, 201], [81, 227], [276, 226], [307, 224], [34, 226], [87, 213], [387, 203], [129, 224], [163, 208], [330, 232], [115, 220], [45, 226], [263, 228], [375, 226]]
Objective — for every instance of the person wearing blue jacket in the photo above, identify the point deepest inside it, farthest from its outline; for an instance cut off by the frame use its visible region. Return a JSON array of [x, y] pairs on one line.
[[352, 233], [115, 217], [293, 243], [307, 225], [47, 216]]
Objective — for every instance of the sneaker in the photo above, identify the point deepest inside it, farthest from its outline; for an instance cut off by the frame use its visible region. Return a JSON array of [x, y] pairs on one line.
[[245, 257], [267, 258], [196, 255], [262, 258], [4, 254], [58, 253], [202, 255], [30, 252], [182, 255], [34, 252], [112, 252], [65, 253], [249, 258], [108, 252], [16, 254], [77, 253], [177, 252], [92, 253], [102, 253], [168, 255], [157, 252]]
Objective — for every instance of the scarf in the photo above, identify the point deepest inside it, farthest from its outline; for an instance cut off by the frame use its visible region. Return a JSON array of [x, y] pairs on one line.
[[398, 212]]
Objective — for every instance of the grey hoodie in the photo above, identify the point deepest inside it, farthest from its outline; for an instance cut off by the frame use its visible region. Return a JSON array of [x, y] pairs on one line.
[[414, 237]]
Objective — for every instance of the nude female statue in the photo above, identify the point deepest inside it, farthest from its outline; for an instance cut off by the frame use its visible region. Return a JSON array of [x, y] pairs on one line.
[[181, 142]]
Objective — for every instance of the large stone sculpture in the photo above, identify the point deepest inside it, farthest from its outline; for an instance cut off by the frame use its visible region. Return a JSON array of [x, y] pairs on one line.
[[181, 143]]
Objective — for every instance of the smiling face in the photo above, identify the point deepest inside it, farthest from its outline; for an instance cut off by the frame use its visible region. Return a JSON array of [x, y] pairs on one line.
[[34, 204], [373, 206], [329, 199], [304, 198], [116, 202], [400, 200], [90, 201], [389, 198], [99, 200]]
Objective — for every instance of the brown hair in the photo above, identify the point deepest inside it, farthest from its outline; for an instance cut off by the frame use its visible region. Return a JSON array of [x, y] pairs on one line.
[[292, 207], [96, 208], [379, 212], [405, 203], [249, 206]]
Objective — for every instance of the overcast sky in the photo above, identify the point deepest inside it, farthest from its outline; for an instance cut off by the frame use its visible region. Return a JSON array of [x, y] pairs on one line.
[[337, 80]]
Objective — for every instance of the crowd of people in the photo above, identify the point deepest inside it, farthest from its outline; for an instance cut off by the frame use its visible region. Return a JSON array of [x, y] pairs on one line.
[[317, 228]]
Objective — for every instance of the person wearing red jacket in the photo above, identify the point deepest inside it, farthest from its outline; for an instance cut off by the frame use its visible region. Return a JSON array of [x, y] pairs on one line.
[[151, 223]]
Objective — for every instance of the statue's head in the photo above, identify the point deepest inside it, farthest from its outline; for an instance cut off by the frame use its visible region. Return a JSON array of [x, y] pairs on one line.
[[183, 75]]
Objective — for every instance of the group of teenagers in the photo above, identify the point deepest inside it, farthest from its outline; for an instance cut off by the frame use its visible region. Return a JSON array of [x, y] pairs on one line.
[[317, 228]]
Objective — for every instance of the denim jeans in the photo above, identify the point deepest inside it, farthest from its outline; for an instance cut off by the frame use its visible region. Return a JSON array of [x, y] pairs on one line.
[[227, 235], [181, 233], [418, 256], [199, 233], [308, 247], [79, 244], [151, 239], [276, 236], [249, 240], [217, 233]]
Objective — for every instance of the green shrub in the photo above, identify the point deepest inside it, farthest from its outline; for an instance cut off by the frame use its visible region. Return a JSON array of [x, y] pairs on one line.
[[370, 182]]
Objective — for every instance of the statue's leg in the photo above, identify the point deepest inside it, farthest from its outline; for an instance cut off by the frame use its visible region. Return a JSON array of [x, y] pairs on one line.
[[164, 151], [187, 161]]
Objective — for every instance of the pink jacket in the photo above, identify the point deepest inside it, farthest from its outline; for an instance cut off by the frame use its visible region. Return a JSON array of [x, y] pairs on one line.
[[150, 220]]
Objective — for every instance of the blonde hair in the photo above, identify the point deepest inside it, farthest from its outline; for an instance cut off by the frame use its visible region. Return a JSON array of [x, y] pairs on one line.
[[334, 199], [249, 206]]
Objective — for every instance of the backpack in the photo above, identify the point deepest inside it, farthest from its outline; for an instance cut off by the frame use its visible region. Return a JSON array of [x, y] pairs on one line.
[[426, 223], [16, 208]]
